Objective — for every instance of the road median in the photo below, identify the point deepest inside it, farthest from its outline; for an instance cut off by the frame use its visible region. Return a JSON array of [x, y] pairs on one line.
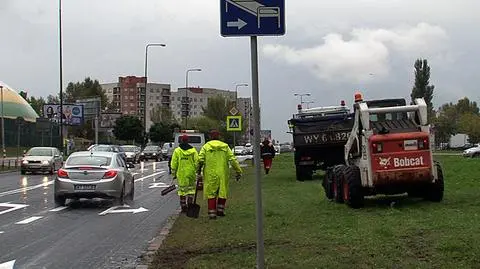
[[304, 230]]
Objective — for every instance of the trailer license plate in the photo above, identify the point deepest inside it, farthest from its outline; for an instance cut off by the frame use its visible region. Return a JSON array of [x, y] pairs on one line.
[[410, 145], [84, 187]]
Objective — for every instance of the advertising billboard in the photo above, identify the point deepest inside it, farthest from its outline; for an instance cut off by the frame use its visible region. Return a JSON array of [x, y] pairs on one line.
[[107, 120], [72, 114]]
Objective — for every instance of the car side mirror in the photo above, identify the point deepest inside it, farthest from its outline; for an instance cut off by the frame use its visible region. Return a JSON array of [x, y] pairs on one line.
[[130, 165]]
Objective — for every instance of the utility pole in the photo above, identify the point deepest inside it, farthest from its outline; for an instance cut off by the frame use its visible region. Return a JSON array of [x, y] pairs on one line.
[[186, 102], [301, 96], [236, 100], [60, 71], [3, 125], [146, 83]]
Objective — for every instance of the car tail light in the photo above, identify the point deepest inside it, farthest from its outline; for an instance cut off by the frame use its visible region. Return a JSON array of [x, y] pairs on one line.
[[110, 174], [62, 173], [377, 147], [423, 143]]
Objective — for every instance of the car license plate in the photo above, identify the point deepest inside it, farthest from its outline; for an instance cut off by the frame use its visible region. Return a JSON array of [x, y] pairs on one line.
[[410, 145], [84, 187]]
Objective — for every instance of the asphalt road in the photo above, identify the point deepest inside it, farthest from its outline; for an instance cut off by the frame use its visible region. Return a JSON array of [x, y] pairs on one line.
[[84, 234]]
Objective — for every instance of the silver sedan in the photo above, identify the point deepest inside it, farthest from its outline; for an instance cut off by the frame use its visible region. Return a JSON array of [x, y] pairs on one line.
[[94, 174]]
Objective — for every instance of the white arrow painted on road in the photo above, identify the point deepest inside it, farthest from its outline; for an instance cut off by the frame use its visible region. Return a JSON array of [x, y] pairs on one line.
[[158, 185], [13, 207], [7, 265], [114, 209], [239, 24]]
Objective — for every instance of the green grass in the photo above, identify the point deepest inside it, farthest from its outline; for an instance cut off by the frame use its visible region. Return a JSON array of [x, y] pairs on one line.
[[304, 230]]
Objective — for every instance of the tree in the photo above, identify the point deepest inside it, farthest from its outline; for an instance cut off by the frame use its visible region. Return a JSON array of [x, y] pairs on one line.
[[162, 114], [469, 124], [162, 131], [24, 95], [128, 128], [422, 87], [37, 104], [51, 99], [217, 108], [87, 89]]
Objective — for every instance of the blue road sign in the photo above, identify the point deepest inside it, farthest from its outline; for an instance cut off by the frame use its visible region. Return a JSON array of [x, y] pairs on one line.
[[252, 17]]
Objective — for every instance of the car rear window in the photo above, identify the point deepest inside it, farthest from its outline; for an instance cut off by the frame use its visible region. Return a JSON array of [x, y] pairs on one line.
[[195, 139], [102, 148], [89, 160], [151, 148]]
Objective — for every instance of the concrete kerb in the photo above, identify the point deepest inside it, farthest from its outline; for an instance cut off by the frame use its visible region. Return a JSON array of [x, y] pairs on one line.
[[156, 242]]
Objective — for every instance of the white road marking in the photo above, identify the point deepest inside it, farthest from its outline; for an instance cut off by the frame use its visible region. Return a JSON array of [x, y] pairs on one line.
[[158, 185], [7, 265], [13, 207], [152, 175], [60, 208], [134, 174], [27, 221], [26, 189], [114, 209], [1, 232]]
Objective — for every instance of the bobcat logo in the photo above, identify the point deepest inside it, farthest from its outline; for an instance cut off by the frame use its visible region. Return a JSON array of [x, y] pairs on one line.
[[384, 161]]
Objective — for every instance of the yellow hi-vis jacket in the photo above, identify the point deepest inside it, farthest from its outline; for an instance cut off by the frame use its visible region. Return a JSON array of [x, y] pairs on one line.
[[215, 157], [184, 166]]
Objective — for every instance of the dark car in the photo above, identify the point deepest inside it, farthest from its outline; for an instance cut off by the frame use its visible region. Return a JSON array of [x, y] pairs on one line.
[[111, 148], [151, 152]]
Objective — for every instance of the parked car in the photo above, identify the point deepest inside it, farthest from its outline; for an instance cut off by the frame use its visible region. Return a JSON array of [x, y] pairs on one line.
[[41, 159], [151, 152], [132, 153], [249, 148], [239, 150], [472, 152], [94, 174], [165, 149]]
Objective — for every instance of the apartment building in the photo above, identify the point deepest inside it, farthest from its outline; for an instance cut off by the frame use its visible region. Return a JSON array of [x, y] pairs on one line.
[[129, 96], [198, 98]]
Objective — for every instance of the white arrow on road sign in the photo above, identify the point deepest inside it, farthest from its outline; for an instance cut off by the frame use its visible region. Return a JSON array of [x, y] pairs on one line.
[[114, 209], [13, 207], [239, 24], [158, 185], [7, 265]]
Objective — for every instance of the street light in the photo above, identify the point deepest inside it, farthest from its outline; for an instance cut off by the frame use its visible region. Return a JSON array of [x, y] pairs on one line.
[[60, 70], [236, 99], [301, 96], [186, 102], [309, 102], [3, 124], [146, 82]]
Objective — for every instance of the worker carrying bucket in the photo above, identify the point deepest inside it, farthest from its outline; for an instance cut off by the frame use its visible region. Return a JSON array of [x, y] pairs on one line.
[[215, 157], [184, 161]]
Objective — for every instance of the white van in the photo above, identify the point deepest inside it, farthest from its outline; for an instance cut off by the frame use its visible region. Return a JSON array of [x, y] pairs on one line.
[[195, 138]]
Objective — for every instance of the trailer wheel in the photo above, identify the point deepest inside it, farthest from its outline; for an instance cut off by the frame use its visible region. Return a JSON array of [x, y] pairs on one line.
[[328, 184], [304, 173], [337, 183], [436, 189], [352, 187]]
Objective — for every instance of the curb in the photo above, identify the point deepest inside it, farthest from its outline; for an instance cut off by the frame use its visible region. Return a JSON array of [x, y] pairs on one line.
[[156, 242]]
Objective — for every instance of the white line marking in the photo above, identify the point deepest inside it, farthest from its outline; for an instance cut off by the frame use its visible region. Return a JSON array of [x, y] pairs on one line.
[[158, 185], [13, 207], [7, 265], [26, 221], [1, 232], [112, 208], [56, 209], [26, 189], [152, 175], [134, 174]]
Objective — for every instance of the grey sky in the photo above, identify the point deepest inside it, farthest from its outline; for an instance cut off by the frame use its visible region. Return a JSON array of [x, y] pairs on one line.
[[329, 50]]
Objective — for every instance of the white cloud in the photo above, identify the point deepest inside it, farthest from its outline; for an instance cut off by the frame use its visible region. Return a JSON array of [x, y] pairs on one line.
[[367, 52]]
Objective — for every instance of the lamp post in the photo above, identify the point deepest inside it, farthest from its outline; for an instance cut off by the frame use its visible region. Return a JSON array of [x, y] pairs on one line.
[[301, 96], [309, 102], [236, 99], [3, 124], [146, 82], [186, 102], [60, 70]]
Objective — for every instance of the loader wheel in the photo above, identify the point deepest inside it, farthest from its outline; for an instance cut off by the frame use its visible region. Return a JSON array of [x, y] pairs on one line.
[[436, 189], [304, 173], [337, 183], [352, 187], [328, 183]]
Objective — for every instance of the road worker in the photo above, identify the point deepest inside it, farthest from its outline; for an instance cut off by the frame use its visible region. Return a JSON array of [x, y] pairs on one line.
[[267, 152], [183, 164], [215, 157]]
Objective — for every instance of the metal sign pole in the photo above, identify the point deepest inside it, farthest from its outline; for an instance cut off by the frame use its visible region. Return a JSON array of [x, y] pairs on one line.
[[256, 152]]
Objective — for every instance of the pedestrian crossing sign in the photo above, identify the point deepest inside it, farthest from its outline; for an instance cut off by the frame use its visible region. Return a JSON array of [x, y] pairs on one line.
[[234, 123]]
